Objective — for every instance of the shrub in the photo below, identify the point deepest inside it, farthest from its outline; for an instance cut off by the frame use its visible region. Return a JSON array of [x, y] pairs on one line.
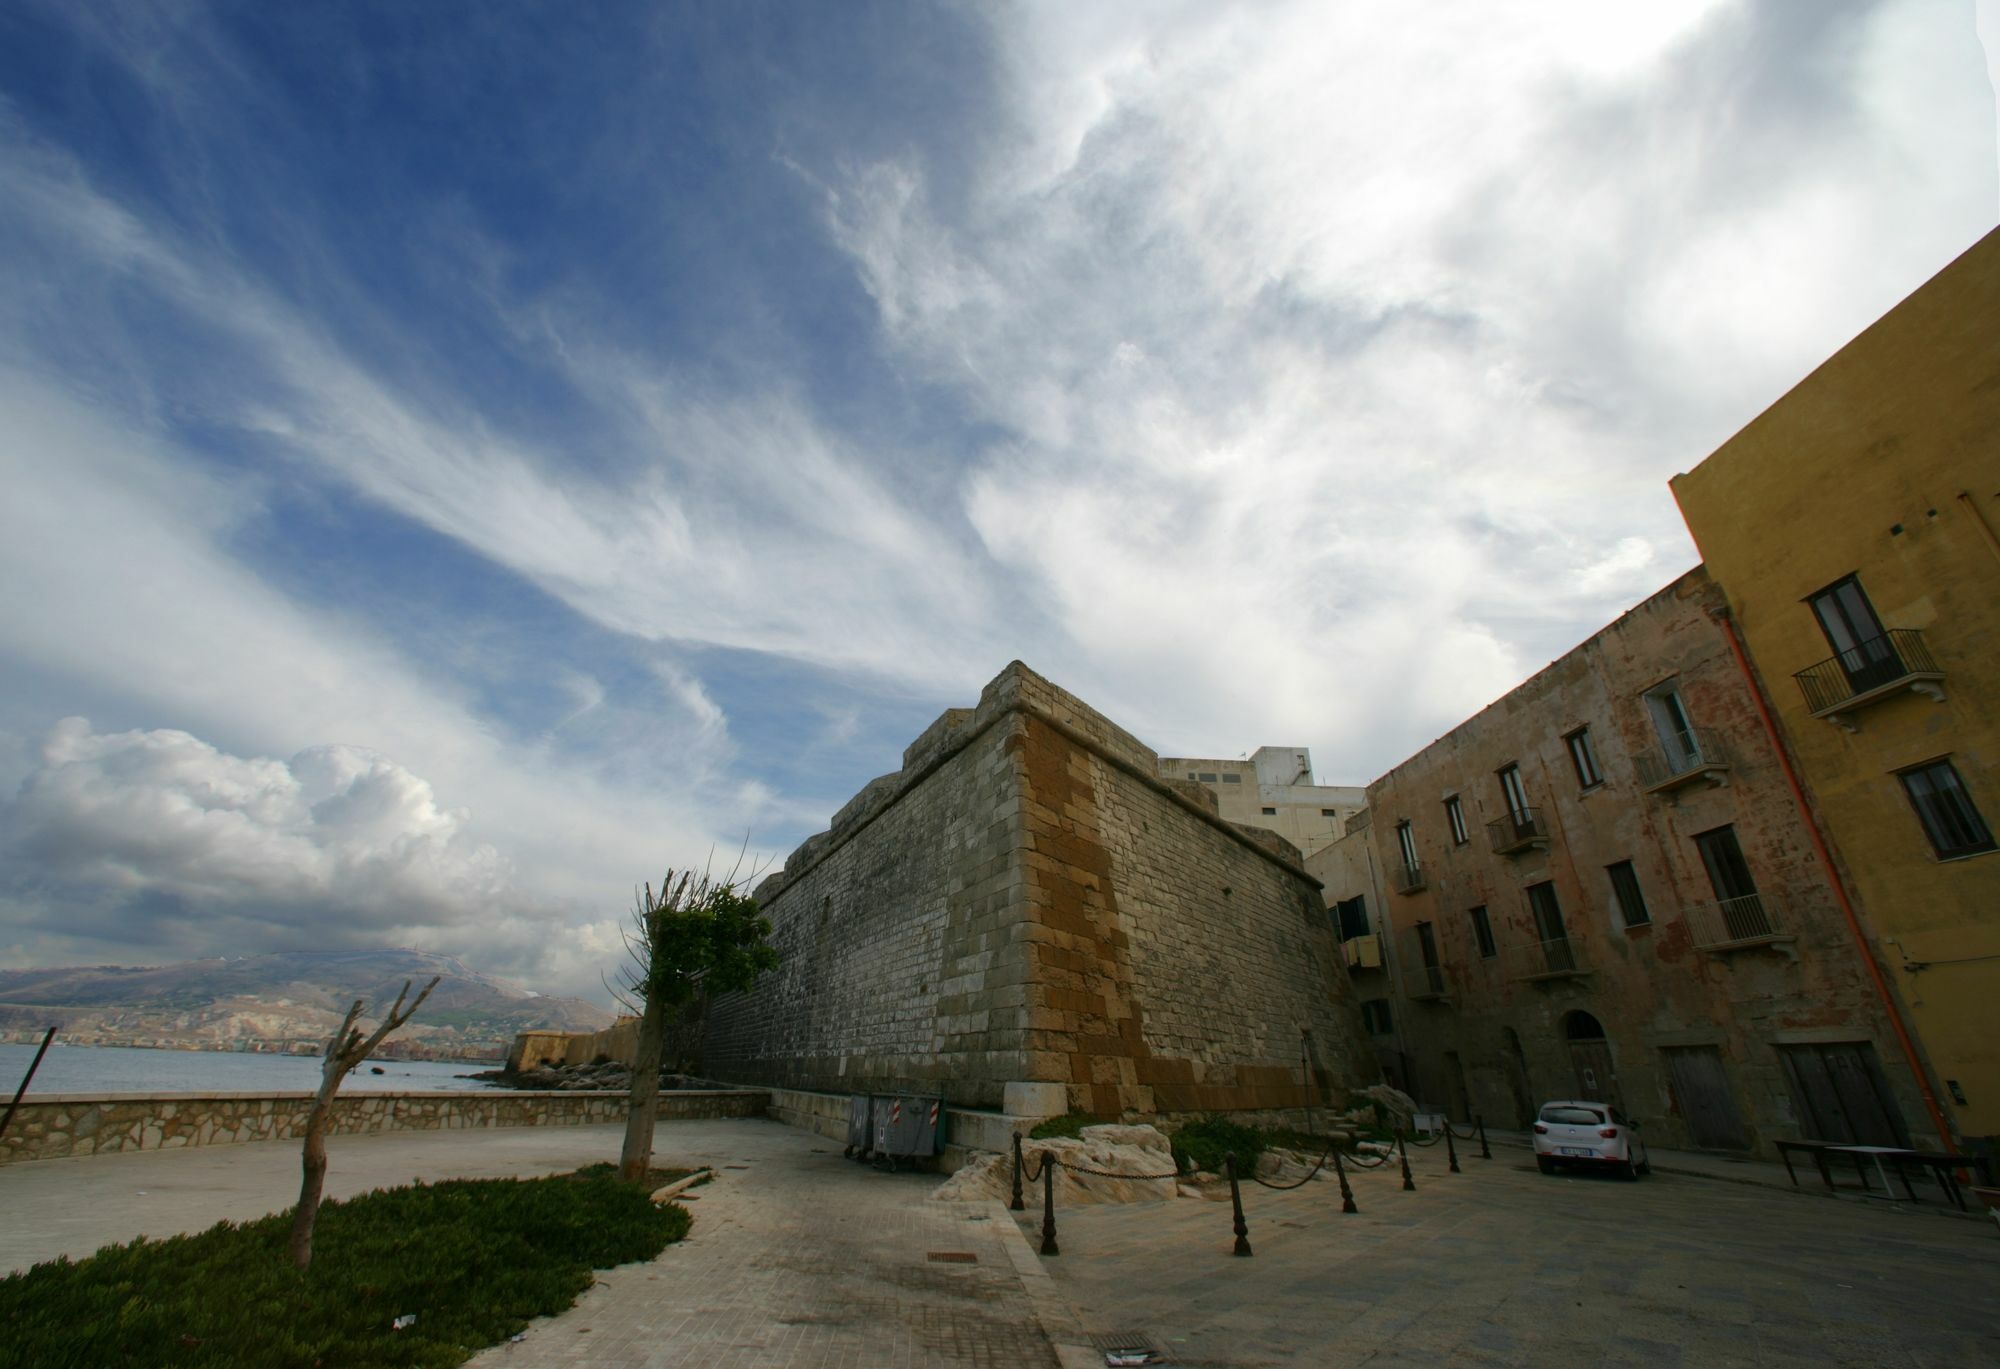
[[1202, 1144], [1067, 1126], [472, 1259]]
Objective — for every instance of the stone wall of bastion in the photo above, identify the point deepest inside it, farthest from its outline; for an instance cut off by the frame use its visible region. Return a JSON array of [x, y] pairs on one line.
[[1027, 902], [58, 1124]]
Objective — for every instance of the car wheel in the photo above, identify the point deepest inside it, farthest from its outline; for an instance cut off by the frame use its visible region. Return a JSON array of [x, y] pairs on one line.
[[1646, 1165], [1545, 1164], [1628, 1171]]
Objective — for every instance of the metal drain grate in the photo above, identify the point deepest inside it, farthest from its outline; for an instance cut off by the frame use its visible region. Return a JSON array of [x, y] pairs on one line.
[[952, 1257], [1129, 1348]]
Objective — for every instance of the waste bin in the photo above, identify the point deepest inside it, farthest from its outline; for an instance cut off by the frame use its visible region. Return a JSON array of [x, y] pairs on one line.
[[859, 1136]]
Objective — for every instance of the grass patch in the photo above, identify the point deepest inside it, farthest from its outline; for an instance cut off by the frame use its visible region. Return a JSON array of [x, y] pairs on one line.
[[473, 1259], [1202, 1144], [1069, 1126]]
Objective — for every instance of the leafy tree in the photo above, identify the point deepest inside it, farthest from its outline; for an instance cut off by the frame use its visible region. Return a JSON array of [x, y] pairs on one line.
[[696, 936], [344, 1051]]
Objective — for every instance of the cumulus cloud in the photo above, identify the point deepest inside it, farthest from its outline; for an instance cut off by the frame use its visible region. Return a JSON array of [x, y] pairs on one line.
[[336, 835]]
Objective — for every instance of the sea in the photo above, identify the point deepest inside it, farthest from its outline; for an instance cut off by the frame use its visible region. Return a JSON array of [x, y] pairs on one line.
[[128, 1069]]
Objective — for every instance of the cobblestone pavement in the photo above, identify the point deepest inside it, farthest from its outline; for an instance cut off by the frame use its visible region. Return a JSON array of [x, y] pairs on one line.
[[798, 1257], [1501, 1265]]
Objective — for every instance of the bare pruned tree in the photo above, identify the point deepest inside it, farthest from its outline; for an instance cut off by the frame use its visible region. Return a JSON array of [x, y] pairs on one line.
[[696, 936], [344, 1051]]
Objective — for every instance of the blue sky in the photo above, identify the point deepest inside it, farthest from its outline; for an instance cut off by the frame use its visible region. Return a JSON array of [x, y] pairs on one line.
[[462, 459]]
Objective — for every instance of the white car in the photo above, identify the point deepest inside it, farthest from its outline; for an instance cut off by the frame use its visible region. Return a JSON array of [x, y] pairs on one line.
[[1587, 1135]]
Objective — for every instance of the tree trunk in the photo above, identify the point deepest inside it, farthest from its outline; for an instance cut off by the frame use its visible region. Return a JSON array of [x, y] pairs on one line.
[[644, 1108], [314, 1165]]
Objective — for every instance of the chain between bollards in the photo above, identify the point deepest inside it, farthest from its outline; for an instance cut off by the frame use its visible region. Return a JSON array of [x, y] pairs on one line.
[[1236, 1202], [1346, 1189], [1450, 1147], [1049, 1208], [1017, 1205], [1403, 1152]]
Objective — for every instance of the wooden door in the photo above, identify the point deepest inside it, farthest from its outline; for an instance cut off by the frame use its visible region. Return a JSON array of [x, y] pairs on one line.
[[1701, 1091], [1592, 1062], [1841, 1095]]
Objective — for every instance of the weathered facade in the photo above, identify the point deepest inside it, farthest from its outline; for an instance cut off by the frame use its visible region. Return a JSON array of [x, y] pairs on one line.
[[1853, 527], [1028, 902], [1601, 886]]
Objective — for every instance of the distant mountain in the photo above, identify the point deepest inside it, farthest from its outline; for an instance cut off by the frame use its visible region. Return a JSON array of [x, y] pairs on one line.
[[288, 1001]]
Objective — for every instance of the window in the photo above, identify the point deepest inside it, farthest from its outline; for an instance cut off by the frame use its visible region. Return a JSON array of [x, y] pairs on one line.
[[1207, 778], [1670, 720], [1375, 1016], [1351, 915], [1407, 840], [1728, 872], [1855, 634], [1270, 812], [1194, 777], [1625, 888], [1587, 773], [1515, 793], [1945, 809], [1482, 933], [1548, 912], [1232, 779], [1454, 814], [1329, 812]]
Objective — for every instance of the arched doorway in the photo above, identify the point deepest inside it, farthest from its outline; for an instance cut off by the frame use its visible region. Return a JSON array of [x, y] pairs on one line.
[[1590, 1057]]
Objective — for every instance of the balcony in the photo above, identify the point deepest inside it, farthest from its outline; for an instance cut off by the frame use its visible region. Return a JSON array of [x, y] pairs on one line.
[[1557, 958], [1843, 685], [1407, 879], [1518, 831], [1362, 952], [1686, 758], [1736, 924], [1426, 983]]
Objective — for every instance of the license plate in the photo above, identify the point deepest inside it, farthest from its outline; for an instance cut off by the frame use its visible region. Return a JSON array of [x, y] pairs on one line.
[[1575, 1150]]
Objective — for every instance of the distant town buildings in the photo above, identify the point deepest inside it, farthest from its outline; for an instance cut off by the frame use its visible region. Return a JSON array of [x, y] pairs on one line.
[[1273, 788], [1730, 863]]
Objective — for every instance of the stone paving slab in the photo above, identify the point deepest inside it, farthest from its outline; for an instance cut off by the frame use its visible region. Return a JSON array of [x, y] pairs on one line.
[[1501, 1265]]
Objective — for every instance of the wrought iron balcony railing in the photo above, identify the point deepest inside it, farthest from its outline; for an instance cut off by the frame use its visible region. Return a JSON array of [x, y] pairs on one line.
[[1517, 831], [1752, 920], [1557, 958], [1426, 982], [1868, 671], [1408, 878], [1683, 758]]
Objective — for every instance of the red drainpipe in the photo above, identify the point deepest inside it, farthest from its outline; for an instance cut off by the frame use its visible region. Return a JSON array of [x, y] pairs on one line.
[[1839, 888]]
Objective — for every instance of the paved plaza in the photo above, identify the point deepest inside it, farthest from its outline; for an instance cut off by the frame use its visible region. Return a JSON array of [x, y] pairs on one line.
[[798, 1257]]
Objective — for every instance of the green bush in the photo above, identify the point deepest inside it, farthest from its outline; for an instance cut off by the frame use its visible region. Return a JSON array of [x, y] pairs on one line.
[[1067, 1126], [473, 1260], [1202, 1144]]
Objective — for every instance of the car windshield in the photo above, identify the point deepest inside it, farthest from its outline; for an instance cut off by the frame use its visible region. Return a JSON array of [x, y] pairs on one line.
[[1572, 1116]]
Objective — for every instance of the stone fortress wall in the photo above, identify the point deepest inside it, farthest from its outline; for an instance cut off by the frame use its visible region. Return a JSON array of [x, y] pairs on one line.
[[1028, 902]]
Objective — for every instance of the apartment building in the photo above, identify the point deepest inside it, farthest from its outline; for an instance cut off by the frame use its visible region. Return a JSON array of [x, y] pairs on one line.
[[1852, 527], [1272, 788], [1601, 886]]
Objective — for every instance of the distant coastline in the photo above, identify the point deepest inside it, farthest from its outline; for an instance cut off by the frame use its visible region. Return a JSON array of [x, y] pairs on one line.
[[169, 1069]]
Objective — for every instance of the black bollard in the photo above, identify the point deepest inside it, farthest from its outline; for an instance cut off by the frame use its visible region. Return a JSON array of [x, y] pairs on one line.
[[1485, 1151], [1409, 1184], [1236, 1201], [1017, 1205], [1049, 1205], [1346, 1190], [1450, 1147]]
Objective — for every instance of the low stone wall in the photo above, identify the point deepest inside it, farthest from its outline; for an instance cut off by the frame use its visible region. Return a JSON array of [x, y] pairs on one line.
[[59, 1124]]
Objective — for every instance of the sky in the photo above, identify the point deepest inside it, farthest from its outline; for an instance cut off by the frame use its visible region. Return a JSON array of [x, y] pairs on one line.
[[460, 460]]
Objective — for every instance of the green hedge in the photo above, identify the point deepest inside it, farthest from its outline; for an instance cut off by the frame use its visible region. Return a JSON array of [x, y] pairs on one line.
[[473, 1260], [1202, 1144]]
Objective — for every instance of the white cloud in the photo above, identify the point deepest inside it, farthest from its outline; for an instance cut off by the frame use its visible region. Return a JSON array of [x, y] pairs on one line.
[[1346, 356]]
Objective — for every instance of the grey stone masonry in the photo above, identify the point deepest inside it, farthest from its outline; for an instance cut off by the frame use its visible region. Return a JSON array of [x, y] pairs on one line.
[[1027, 901]]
